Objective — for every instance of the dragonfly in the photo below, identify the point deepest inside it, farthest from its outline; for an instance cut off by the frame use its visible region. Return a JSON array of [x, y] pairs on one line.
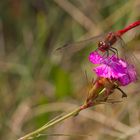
[[106, 45], [105, 41]]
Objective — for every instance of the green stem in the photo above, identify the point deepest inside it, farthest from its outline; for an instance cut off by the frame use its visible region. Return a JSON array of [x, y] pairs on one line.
[[55, 121], [44, 127]]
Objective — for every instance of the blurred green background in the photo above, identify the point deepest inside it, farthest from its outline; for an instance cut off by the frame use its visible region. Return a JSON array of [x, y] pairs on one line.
[[36, 84]]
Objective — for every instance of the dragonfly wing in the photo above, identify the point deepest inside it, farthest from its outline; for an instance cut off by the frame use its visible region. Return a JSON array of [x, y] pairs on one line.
[[130, 57], [77, 46]]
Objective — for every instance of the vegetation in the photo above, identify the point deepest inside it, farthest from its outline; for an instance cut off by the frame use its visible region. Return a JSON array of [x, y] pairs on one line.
[[38, 83]]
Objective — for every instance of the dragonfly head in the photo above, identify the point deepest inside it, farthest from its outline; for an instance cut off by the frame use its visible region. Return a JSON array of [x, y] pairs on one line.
[[102, 46]]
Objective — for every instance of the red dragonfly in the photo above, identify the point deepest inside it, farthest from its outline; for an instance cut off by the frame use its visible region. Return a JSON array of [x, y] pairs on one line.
[[105, 44]]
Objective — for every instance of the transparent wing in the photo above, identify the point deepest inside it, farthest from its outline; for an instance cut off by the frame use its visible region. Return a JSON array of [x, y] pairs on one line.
[[77, 46], [130, 57]]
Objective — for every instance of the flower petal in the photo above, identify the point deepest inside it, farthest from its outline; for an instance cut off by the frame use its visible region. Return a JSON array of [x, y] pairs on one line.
[[95, 58], [114, 68]]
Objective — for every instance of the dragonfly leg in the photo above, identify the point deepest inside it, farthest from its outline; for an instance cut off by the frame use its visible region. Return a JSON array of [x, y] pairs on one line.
[[116, 51], [106, 54]]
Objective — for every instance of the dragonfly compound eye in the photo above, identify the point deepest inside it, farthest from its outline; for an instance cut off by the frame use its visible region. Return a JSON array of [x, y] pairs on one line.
[[102, 45]]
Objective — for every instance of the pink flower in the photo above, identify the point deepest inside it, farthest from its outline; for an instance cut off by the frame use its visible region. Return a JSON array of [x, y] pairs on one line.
[[95, 58], [113, 68]]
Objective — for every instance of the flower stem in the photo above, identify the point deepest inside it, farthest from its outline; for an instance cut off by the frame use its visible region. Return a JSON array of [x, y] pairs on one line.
[[44, 127], [59, 119]]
